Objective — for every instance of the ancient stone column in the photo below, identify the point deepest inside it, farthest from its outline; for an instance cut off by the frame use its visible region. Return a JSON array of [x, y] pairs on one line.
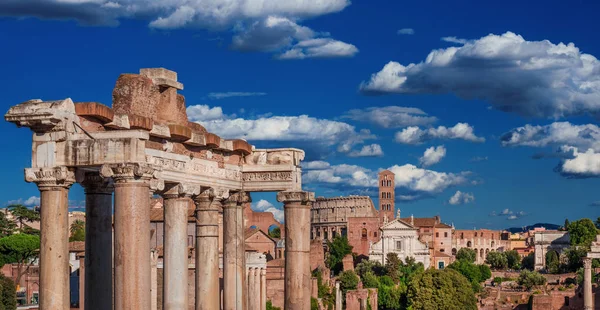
[[234, 265], [175, 259], [588, 303], [132, 234], [253, 296], [208, 206], [54, 184], [154, 280], [297, 248], [98, 240], [263, 289]]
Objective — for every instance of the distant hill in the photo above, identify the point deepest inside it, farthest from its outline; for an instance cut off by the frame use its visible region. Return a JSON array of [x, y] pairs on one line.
[[536, 225]]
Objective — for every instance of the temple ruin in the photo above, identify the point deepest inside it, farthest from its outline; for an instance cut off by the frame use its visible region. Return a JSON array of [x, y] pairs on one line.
[[144, 146]]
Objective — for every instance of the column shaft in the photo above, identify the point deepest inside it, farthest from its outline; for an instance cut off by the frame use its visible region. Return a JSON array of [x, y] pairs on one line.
[[257, 289], [252, 302], [297, 248], [207, 253], [98, 244], [132, 245], [588, 303], [263, 289], [54, 249], [175, 260], [234, 266]]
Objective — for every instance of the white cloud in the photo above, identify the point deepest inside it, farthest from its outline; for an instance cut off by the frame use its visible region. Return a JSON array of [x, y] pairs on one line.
[[412, 183], [315, 165], [509, 214], [512, 217], [432, 156], [460, 198], [258, 25], [416, 135], [555, 134], [265, 206], [455, 40], [29, 202], [368, 151], [391, 116], [319, 48], [406, 31], [530, 78], [582, 164], [234, 94], [203, 113], [303, 128]]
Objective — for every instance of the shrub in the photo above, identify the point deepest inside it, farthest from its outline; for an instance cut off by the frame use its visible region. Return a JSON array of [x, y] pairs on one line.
[[529, 279]]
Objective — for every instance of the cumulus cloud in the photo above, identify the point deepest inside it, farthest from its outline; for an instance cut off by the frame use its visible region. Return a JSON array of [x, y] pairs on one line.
[[315, 165], [581, 165], [234, 94], [509, 214], [391, 116], [555, 134], [368, 151], [30, 202], [432, 156], [406, 31], [265, 206], [310, 132], [264, 25], [319, 48], [454, 40], [412, 182], [460, 198], [416, 135], [530, 78]]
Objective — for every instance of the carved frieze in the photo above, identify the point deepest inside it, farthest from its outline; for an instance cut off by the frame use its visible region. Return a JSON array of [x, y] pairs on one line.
[[50, 177], [44, 116], [275, 157], [268, 176], [239, 198], [193, 168]]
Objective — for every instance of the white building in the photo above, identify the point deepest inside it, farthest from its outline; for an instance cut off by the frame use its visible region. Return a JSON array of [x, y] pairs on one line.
[[401, 238]]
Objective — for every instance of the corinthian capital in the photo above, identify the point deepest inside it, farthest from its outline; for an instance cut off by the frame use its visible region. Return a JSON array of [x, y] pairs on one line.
[[239, 198], [50, 177], [296, 196], [181, 190], [129, 171]]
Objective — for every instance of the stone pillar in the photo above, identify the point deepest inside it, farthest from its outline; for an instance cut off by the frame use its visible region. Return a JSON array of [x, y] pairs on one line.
[[175, 259], [263, 289], [54, 184], [588, 303], [252, 296], [154, 280], [98, 240], [297, 248], [132, 234], [234, 266], [208, 206]]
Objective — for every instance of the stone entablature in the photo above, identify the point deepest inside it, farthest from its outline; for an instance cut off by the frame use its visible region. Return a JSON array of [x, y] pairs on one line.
[[549, 240]]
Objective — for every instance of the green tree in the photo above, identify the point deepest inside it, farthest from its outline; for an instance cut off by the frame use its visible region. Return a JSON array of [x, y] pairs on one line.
[[20, 249], [574, 257], [370, 280], [348, 281], [466, 254], [23, 214], [392, 266], [598, 222], [582, 232], [485, 271], [271, 307], [338, 249], [441, 289], [275, 233], [8, 296], [566, 226], [77, 231], [529, 279], [314, 304], [497, 260], [528, 261], [514, 259], [369, 266], [552, 262], [7, 227]]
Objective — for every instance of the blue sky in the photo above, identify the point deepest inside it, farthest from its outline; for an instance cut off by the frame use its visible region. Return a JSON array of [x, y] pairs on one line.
[[491, 88]]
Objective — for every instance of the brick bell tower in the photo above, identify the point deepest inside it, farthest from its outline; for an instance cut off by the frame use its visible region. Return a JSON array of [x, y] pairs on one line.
[[386, 195]]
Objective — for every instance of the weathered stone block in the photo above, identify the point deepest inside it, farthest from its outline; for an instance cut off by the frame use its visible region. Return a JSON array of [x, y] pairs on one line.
[[162, 77], [95, 110], [135, 94], [179, 132]]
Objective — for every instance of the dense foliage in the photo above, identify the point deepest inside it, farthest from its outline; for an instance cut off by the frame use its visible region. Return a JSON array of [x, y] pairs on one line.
[[275, 233], [528, 261], [271, 307], [529, 279], [8, 298], [338, 249], [552, 262], [475, 274], [77, 230], [497, 260], [452, 291], [20, 249], [466, 254], [24, 215], [582, 232], [514, 259]]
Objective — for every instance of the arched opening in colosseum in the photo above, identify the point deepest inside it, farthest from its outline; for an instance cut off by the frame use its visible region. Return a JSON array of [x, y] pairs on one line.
[[469, 244], [454, 251]]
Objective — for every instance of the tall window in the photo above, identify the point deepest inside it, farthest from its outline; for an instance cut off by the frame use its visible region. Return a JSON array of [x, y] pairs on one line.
[[437, 234], [364, 233], [399, 245], [445, 235], [382, 195]]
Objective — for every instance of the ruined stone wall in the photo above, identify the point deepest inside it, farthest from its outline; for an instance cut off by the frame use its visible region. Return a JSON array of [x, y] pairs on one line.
[[317, 254], [357, 227], [354, 299]]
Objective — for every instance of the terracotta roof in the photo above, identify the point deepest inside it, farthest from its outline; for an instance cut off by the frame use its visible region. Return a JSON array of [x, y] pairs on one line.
[[421, 221], [440, 254], [442, 225], [76, 246], [250, 231]]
